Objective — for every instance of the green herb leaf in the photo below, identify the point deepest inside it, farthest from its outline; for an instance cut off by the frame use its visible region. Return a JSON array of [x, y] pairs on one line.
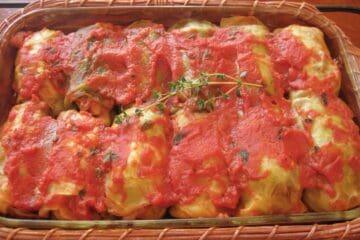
[[244, 155], [173, 87], [94, 151], [221, 76], [156, 95], [238, 92], [161, 107], [182, 79], [121, 117], [101, 70], [110, 156], [201, 104], [117, 119], [178, 137], [138, 112]]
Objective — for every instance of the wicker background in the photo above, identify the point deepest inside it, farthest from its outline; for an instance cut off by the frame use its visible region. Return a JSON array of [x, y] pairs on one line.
[[303, 11]]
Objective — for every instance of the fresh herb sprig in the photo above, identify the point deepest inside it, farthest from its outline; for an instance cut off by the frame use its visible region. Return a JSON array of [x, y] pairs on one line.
[[193, 87]]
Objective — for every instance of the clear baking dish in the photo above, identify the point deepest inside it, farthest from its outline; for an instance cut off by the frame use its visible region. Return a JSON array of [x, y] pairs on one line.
[[273, 14]]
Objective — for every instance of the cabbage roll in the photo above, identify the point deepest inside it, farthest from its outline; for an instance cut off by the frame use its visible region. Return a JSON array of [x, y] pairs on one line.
[[246, 37], [302, 57], [331, 174], [138, 149], [117, 66], [198, 169], [40, 68], [73, 182], [263, 157], [27, 139]]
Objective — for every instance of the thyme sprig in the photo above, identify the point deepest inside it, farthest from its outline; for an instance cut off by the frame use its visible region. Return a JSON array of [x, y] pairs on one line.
[[193, 87]]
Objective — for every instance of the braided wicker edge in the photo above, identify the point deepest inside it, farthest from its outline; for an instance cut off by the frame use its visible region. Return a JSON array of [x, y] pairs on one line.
[[332, 231], [303, 11]]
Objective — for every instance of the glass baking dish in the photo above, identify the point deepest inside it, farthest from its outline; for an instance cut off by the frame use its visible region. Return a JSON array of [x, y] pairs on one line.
[[71, 18]]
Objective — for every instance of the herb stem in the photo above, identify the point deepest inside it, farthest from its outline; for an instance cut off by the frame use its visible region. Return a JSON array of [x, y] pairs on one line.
[[217, 74], [232, 83], [252, 84], [195, 85], [159, 100], [222, 83], [231, 89]]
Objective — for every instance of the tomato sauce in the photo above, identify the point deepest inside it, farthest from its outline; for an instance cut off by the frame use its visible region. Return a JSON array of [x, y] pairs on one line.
[[116, 65], [113, 65], [198, 156], [263, 131], [77, 148], [238, 137], [48, 60], [227, 50], [27, 145], [291, 56], [153, 157], [324, 166]]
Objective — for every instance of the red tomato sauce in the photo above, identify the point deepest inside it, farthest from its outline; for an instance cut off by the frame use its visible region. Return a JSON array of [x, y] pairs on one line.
[[263, 131], [51, 55], [198, 155], [323, 167], [77, 148], [238, 136], [290, 56], [113, 65], [120, 65], [28, 147], [227, 50], [127, 72], [119, 139]]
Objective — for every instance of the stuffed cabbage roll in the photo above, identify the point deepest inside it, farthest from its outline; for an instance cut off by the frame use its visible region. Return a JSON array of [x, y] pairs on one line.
[[86, 44], [26, 138], [117, 66], [73, 182], [302, 57], [198, 170], [263, 155], [331, 174], [234, 52], [137, 150], [246, 37], [189, 51], [40, 67]]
